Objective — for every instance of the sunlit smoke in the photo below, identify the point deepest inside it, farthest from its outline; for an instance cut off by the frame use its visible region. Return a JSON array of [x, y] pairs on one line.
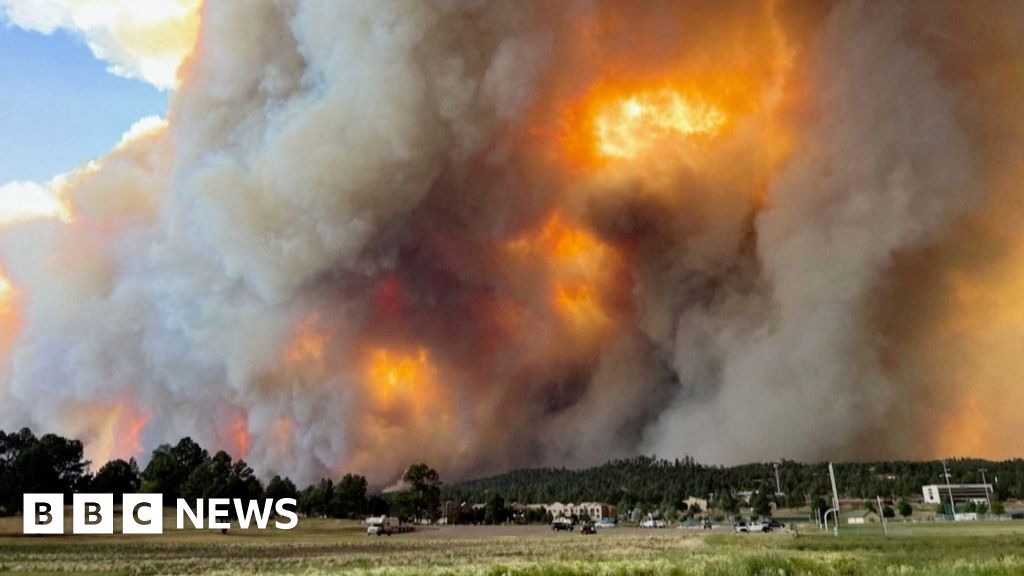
[[514, 234]]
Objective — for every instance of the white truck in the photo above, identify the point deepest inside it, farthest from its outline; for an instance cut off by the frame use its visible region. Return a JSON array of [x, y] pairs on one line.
[[385, 526]]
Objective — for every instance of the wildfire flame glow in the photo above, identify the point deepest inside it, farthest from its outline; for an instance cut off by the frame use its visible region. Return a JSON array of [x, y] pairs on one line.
[[400, 379], [241, 442], [578, 264], [628, 127]]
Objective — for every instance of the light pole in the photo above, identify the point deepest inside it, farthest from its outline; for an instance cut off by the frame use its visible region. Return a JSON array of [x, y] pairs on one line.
[[881, 512], [952, 503], [984, 485], [835, 501], [778, 487]]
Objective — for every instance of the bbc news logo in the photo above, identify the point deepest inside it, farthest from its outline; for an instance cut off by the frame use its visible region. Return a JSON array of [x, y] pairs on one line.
[[143, 513]]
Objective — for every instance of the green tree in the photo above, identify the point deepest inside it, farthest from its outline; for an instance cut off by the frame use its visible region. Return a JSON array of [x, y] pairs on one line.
[[818, 507], [888, 512], [219, 477], [315, 500], [905, 509], [727, 503], [998, 508], [171, 466], [795, 499], [349, 499], [378, 506], [761, 504], [118, 477], [495, 512], [279, 488], [52, 464], [425, 489], [405, 506]]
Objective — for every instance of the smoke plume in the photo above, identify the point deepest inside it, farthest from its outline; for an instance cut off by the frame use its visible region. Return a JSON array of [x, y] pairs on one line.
[[501, 234]]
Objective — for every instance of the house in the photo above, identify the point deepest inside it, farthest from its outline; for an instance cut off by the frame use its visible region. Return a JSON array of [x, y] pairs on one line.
[[558, 509], [594, 510], [861, 516], [701, 503]]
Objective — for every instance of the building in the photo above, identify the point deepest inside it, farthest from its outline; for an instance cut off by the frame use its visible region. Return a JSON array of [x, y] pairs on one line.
[[977, 493], [862, 516], [594, 510], [701, 503]]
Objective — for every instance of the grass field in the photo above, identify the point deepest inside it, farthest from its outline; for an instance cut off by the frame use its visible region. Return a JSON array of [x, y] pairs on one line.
[[332, 547]]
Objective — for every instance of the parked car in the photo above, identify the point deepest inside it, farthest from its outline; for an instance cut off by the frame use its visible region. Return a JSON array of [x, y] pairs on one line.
[[776, 525], [649, 523], [606, 523], [741, 527], [758, 527], [561, 524], [588, 528], [660, 524]]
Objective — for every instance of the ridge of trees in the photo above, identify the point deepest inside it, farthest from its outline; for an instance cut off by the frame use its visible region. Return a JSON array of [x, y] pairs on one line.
[[653, 483], [54, 464]]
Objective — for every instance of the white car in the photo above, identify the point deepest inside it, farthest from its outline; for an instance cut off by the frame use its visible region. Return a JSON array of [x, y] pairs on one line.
[[757, 527], [647, 523]]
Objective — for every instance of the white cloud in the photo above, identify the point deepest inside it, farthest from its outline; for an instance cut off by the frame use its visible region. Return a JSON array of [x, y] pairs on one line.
[[22, 200], [138, 39], [143, 126]]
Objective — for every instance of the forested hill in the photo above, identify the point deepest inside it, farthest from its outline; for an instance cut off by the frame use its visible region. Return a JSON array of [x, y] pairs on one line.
[[653, 482]]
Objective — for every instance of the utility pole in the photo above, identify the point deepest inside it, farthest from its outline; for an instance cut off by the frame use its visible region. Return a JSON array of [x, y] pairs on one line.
[[835, 499], [985, 484], [952, 503], [778, 487], [881, 512]]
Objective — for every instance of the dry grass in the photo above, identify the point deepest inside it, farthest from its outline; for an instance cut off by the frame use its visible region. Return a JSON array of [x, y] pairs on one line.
[[333, 547]]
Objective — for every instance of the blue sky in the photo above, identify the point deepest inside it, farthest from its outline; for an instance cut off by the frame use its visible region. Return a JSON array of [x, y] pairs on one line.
[[59, 107]]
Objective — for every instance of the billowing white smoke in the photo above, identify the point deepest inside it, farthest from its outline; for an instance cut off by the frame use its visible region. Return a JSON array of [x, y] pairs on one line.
[[319, 153], [304, 129], [882, 167]]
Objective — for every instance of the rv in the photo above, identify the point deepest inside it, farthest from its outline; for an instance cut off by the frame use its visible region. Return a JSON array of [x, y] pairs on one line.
[[385, 526]]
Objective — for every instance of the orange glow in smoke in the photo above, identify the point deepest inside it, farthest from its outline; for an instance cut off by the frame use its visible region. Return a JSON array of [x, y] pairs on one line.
[[579, 265], [627, 123], [404, 399], [581, 304], [627, 127], [240, 437], [400, 379], [308, 342], [981, 340], [283, 429], [8, 309], [110, 431], [131, 444]]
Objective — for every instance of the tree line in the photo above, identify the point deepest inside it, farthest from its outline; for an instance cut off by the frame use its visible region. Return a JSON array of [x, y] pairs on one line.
[[652, 484], [56, 465]]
